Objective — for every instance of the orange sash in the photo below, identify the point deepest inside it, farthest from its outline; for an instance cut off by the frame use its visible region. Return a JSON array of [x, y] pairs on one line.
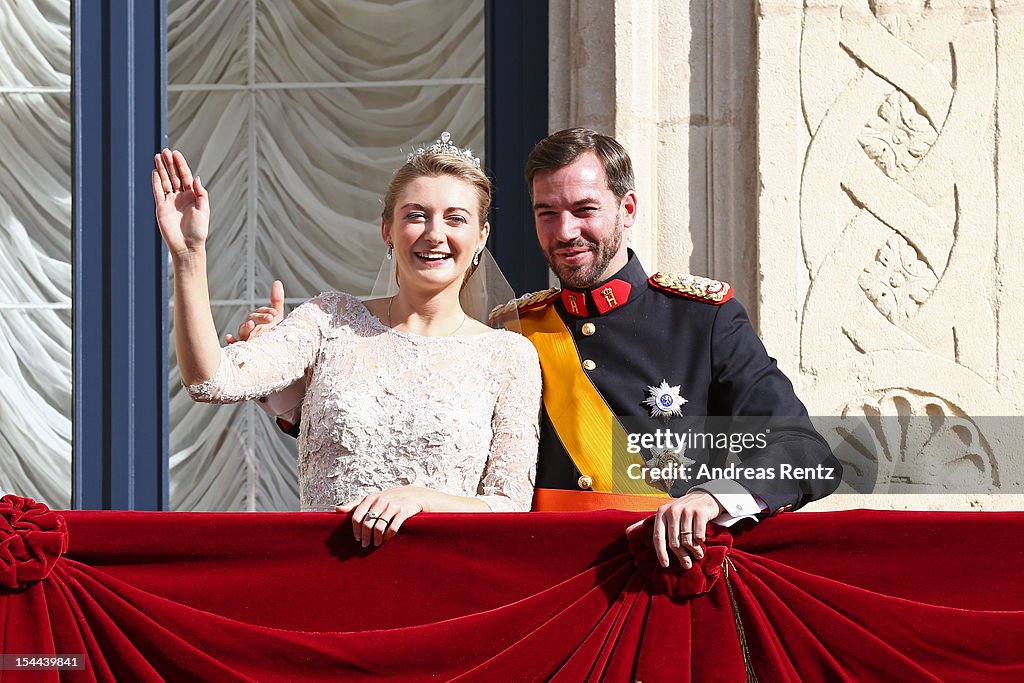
[[581, 417], [558, 500]]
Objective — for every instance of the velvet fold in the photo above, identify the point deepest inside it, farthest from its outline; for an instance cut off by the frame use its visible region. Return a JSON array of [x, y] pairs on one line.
[[846, 596]]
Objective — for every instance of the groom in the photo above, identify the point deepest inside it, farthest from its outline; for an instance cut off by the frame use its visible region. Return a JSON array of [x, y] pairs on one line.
[[620, 350]]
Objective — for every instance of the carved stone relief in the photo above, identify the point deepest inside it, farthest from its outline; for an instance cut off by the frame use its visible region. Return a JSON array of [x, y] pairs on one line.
[[908, 442], [898, 137], [893, 187], [898, 281]]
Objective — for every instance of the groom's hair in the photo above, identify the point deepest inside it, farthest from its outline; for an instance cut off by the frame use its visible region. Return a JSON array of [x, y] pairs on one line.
[[564, 147]]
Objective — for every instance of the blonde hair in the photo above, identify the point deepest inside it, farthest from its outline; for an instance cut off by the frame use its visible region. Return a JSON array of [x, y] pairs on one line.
[[433, 165]]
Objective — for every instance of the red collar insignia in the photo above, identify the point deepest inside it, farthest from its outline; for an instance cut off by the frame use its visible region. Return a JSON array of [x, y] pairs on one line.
[[602, 298], [575, 302], [610, 295]]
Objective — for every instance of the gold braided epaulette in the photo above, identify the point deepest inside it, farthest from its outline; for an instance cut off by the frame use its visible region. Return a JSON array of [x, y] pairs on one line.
[[524, 303], [693, 286]]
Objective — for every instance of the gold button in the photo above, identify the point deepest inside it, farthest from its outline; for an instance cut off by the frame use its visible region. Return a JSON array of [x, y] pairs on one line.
[[585, 482], [588, 329], [589, 364]]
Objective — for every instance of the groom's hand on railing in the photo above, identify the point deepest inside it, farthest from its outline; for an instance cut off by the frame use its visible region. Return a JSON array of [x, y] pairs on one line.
[[681, 526]]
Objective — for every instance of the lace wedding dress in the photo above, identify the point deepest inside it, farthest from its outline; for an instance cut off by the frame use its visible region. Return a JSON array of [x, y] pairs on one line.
[[384, 408]]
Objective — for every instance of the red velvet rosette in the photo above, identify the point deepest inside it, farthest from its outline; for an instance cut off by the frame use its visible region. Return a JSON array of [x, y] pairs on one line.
[[32, 539], [673, 580]]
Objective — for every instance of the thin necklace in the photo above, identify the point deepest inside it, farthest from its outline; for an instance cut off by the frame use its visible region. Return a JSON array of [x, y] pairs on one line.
[[391, 300]]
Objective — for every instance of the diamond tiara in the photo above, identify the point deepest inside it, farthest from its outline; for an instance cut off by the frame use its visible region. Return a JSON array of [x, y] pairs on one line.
[[444, 145]]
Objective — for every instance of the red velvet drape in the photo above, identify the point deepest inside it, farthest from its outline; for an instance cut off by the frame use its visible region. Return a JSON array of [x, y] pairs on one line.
[[846, 596]]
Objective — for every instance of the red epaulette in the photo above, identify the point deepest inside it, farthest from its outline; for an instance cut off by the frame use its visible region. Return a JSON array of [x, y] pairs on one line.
[[692, 286]]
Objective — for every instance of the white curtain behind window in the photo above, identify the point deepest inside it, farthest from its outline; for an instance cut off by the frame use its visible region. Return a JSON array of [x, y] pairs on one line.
[[35, 251], [295, 114]]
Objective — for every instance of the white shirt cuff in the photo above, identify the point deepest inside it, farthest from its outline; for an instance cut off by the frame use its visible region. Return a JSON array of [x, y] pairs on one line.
[[734, 498]]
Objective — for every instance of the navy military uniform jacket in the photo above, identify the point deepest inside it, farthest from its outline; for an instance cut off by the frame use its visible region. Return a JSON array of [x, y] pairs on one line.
[[711, 351]]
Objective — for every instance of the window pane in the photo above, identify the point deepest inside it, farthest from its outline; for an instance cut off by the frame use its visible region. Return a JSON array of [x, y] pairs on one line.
[[296, 114], [35, 260]]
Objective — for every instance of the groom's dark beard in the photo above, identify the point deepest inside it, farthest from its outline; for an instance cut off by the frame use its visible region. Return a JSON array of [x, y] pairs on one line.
[[587, 275]]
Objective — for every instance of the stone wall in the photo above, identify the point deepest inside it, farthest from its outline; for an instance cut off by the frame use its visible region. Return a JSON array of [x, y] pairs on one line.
[[853, 168], [675, 82]]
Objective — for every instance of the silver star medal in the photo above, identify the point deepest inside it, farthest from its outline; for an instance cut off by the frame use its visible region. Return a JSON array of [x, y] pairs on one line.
[[665, 401]]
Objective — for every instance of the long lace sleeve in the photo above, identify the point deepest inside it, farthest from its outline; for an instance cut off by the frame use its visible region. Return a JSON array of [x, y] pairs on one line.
[[271, 361], [510, 472]]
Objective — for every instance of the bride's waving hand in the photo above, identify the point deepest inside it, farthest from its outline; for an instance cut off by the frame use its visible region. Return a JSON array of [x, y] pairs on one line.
[[183, 214], [182, 203]]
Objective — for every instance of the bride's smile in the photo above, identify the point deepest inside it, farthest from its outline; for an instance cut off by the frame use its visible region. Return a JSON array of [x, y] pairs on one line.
[[435, 229]]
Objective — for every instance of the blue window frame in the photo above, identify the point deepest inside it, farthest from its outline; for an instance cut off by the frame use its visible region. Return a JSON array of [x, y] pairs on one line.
[[517, 117], [118, 101]]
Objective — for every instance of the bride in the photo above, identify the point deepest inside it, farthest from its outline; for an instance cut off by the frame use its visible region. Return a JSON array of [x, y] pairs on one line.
[[411, 404]]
